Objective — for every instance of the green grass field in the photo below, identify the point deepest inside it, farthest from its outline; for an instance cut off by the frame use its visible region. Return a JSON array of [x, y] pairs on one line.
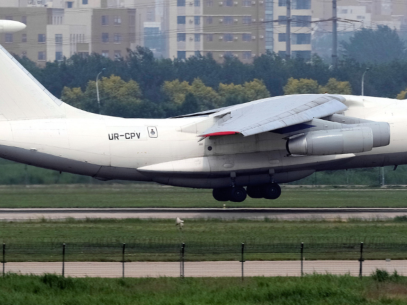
[[153, 195], [312, 290], [160, 240]]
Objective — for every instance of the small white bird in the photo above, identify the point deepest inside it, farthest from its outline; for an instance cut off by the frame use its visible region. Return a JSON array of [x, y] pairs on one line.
[[179, 222]]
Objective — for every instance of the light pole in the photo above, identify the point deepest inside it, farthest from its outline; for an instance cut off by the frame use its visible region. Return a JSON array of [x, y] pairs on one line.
[[97, 87], [363, 81]]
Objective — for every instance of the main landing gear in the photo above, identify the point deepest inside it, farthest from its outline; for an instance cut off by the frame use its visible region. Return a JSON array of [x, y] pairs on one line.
[[239, 193]]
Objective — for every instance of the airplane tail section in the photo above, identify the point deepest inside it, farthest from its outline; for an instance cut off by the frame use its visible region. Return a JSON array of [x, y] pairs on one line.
[[22, 97]]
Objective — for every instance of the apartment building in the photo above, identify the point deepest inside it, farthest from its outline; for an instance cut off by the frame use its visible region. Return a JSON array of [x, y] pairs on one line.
[[301, 31], [355, 14], [55, 33], [220, 27]]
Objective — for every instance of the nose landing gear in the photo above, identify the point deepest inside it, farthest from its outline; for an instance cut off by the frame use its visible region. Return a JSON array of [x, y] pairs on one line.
[[239, 194]]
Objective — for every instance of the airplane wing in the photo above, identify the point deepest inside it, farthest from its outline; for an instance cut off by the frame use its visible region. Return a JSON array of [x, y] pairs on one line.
[[273, 113]]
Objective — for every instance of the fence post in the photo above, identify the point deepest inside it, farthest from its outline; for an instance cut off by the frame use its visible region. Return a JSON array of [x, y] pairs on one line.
[[4, 259], [242, 261], [63, 260], [124, 247], [182, 274], [361, 260], [302, 259]]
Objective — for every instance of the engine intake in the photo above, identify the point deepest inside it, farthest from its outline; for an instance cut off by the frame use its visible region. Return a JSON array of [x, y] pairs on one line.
[[332, 142]]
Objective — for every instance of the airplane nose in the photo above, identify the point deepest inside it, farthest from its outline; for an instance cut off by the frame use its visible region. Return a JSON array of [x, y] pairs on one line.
[[10, 26]]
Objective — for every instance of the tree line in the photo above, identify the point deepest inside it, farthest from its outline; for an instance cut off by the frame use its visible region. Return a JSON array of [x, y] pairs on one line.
[[140, 85]]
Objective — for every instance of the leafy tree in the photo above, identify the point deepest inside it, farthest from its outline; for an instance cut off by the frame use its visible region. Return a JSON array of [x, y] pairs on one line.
[[206, 97], [301, 86], [232, 94], [73, 96], [176, 90], [402, 95], [336, 87], [255, 90], [375, 46]]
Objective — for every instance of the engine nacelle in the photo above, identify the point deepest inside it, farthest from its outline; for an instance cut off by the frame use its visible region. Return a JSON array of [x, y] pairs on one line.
[[332, 142]]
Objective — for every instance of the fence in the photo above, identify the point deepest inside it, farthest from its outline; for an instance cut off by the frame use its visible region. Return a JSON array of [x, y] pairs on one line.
[[183, 260]]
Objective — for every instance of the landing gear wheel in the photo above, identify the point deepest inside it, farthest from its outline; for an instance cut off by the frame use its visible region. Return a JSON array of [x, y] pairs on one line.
[[271, 191], [255, 191], [238, 194], [222, 194]]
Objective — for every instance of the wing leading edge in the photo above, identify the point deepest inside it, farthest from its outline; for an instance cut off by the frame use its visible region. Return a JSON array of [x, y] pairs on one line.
[[274, 113]]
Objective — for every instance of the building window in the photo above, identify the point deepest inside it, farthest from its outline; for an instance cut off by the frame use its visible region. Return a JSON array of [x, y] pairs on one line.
[[282, 20], [228, 54], [105, 53], [301, 4], [180, 2], [281, 53], [24, 19], [282, 37], [69, 4], [247, 55], [197, 53], [228, 37], [9, 38], [247, 20], [209, 37], [302, 54], [41, 55], [41, 38], [246, 37], [209, 20], [117, 20], [246, 3], [58, 56], [9, 18], [181, 37], [181, 54], [269, 37], [23, 37], [84, 2], [197, 3], [282, 2], [105, 37], [58, 38], [269, 17], [105, 20], [180, 19], [117, 54], [117, 38], [301, 38], [197, 37], [301, 21], [197, 20], [228, 19], [269, 5], [208, 2], [229, 2]]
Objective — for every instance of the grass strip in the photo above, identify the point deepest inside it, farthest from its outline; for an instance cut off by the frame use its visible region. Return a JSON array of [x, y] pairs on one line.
[[159, 240], [152, 195], [312, 289]]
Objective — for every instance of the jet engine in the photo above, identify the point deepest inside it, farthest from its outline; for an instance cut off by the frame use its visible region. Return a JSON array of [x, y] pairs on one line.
[[332, 142]]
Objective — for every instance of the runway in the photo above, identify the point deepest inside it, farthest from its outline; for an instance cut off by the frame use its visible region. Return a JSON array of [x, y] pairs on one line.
[[206, 269], [20, 214]]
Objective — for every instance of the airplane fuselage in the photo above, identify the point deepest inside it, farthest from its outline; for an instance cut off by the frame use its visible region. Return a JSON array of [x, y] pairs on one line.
[[115, 148]]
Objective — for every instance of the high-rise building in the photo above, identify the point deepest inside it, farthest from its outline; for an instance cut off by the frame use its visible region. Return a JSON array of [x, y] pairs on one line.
[[55, 33], [301, 31], [220, 27]]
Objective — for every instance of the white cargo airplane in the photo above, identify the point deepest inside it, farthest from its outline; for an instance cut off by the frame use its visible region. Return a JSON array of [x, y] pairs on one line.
[[240, 150]]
